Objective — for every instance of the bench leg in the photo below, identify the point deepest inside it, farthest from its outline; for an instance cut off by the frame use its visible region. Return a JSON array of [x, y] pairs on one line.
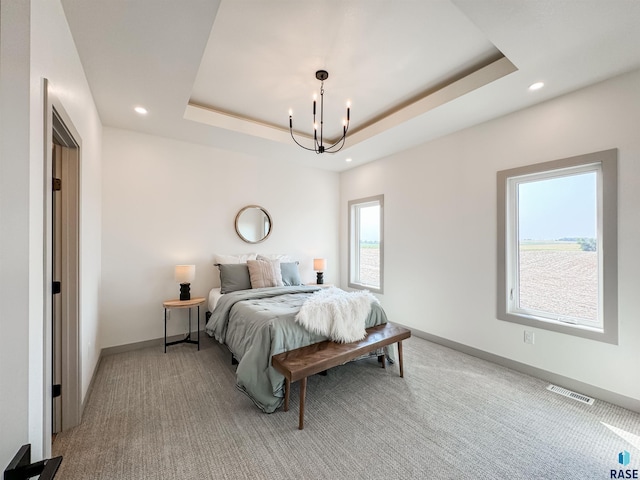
[[381, 360], [287, 389], [303, 391], [400, 358]]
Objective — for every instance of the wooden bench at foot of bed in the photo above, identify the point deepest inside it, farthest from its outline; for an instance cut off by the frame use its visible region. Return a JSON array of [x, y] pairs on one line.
[[302, 362]]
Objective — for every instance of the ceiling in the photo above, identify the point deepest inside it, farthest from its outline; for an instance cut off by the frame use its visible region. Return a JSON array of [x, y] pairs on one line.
[[226, 73]]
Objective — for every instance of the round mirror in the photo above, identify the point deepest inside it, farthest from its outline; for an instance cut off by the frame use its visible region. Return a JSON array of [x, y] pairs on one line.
[[253, 224]]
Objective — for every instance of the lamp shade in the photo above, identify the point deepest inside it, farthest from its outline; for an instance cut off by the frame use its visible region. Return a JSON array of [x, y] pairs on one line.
[[185, 273], [319, 264]]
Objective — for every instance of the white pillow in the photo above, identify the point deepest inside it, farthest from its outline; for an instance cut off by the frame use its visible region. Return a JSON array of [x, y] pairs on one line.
[[274, 256], [265, 273], [214, 296], [227, 259]]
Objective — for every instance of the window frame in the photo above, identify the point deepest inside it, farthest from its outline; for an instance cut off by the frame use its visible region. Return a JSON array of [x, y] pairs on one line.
[[607, 179], [354, 242]]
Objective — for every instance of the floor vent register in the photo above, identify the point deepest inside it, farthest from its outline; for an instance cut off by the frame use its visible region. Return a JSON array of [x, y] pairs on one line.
[[568, 393]]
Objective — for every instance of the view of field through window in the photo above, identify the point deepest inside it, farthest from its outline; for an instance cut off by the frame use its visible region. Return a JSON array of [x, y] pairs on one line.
[[557, 248], [369, 265]]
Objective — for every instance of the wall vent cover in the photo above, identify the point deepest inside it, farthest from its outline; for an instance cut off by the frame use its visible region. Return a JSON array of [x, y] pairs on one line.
[[568, 393]]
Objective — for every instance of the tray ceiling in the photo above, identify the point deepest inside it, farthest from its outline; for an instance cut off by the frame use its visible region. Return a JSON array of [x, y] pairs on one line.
[[225, 73]]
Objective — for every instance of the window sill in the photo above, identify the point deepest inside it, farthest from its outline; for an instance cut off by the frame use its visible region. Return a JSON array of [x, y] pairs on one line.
[[575, 330], [360, 286]]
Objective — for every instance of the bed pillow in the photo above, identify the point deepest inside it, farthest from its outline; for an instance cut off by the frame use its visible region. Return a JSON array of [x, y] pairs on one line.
[[214, 296], [290, 274], [233, 277], [264, 273], [273, 256], [224, 259]]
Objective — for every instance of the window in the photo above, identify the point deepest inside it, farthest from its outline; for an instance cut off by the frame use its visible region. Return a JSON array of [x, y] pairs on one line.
[[366, 251], [557, 246]]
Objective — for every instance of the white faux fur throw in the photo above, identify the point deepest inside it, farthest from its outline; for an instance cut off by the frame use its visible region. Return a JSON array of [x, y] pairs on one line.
[[337, 314]]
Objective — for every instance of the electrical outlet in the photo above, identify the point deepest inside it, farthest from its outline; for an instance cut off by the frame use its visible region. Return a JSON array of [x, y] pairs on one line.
[[529, 337]]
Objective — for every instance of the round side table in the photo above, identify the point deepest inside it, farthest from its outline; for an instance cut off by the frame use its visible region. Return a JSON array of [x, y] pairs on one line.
[[189, 304]]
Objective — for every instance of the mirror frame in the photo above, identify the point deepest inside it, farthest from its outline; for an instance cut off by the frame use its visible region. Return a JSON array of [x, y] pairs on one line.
[[264, 210]]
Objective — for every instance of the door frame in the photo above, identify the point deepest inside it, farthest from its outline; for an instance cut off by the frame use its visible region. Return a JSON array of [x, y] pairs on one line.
[[58, 124]]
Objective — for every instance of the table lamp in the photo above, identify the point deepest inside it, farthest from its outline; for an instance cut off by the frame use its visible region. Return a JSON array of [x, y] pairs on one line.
[[185, 274], [319, 265]]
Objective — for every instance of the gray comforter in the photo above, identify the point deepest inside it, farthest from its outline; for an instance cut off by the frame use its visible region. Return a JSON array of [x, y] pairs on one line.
[[256, 324]]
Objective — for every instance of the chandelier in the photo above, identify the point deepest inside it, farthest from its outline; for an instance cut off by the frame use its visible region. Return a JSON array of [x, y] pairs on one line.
[[318, 144]]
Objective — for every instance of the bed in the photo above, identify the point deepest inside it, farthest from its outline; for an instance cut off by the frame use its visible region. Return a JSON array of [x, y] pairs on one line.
[[257, 323]]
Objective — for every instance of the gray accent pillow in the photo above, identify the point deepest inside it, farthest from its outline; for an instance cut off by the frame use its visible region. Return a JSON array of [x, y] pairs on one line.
[[233, 277], [290, 274]]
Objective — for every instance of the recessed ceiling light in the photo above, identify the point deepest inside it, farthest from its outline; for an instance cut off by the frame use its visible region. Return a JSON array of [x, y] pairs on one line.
[[141, 110], [348, 159], [536, 86]]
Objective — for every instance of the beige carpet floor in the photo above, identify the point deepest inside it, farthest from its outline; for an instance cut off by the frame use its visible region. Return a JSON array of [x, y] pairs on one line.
[[179, 416]]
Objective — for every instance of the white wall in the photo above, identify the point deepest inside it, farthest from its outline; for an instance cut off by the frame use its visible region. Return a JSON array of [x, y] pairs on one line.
[[38, 32], [168, 202], [440, 229], [14, 227]]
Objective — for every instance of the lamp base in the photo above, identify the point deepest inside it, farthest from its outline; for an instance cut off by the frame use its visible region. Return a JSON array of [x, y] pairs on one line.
[[320, 278], [185, 291]]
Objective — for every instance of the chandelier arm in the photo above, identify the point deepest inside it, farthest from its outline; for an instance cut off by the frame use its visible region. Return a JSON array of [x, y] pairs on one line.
[[300, 145], [341, 139]]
